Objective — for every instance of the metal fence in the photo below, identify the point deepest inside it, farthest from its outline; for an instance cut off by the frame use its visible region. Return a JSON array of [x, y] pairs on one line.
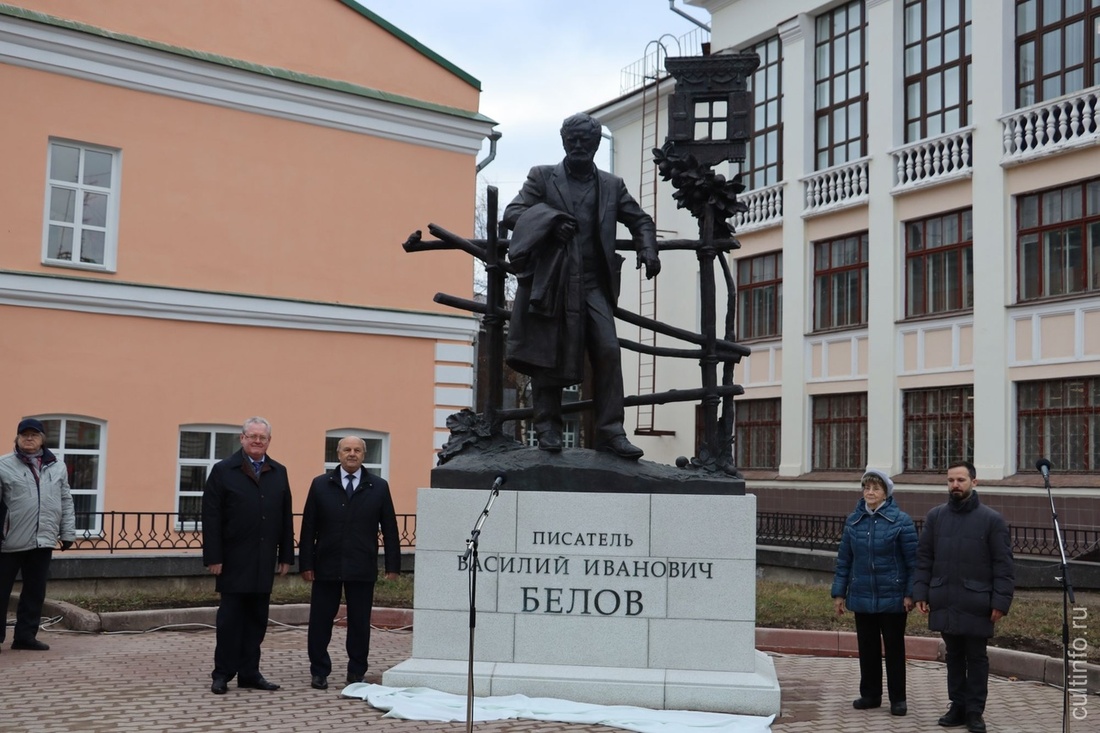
[[113, 532], [814, 532]]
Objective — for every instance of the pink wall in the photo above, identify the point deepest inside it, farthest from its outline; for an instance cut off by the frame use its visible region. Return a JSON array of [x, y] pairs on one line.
[[146, 377], [320, 37]]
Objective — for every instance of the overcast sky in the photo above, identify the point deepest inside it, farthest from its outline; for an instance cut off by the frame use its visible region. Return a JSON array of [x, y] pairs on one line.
[[538, 61]]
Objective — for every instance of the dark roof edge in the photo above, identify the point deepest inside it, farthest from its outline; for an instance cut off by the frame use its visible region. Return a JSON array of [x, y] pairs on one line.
[[412, 42]]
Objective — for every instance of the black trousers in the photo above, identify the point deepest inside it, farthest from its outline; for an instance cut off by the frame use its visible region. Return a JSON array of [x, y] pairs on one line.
[[35, 566], [241, 627], [967, 671], [876, 632], [602, 346], [324, 604]]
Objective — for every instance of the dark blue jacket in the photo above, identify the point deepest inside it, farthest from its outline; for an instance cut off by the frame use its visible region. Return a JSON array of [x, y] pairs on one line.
[[964, 567], [340, 535], [877, 559]]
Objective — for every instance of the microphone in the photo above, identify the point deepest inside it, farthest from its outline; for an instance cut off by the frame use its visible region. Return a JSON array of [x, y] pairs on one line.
[[1043, 466], [502, 478]]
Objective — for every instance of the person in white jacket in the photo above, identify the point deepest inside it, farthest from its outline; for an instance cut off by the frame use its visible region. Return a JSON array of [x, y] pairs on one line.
[[36, 508]]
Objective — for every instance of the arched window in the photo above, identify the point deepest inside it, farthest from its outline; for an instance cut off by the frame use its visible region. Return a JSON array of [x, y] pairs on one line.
[[200, 447], [377, 460], [81, 443]]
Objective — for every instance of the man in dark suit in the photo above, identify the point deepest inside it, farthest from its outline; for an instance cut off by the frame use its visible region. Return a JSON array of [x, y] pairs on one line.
[[563, 249], [339, 551], [248, 528]]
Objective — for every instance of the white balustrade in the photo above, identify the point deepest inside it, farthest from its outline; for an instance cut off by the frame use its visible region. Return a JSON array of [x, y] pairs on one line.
[[765, 209], [1051, 127], [836, 188], [934, 160]]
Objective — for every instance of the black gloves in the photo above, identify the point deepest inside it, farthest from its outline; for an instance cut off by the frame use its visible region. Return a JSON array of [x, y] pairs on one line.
[[66, 544]]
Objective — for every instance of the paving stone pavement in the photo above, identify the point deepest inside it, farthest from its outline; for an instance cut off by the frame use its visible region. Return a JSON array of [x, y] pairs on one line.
[[159, 681]]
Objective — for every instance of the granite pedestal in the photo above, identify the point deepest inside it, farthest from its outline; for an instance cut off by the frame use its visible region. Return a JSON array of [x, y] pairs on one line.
[[641, 599]]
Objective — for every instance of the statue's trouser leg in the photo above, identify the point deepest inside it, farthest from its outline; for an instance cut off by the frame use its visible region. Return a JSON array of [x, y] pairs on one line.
[[547, 407], [602, 345]]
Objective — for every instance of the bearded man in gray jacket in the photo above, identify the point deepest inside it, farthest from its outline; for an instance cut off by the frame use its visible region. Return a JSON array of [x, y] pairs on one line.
[[37, 510]]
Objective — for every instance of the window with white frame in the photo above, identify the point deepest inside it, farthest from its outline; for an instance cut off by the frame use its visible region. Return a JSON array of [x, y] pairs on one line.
[[82, 192], [376, 460], [200, 447], [79, 442]]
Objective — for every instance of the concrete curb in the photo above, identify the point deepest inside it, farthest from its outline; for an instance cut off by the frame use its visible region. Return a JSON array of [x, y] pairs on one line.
[[1008, 663]]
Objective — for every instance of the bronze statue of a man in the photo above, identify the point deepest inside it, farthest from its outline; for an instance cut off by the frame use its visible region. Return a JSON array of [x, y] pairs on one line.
[[563, 249]]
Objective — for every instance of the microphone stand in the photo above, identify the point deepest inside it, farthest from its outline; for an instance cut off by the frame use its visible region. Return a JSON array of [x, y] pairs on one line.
[[471, 557], [1067, 598]]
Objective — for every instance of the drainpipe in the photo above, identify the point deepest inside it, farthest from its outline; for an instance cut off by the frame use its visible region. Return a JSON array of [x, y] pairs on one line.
[[673, 8], [493, 137], [610, 149]]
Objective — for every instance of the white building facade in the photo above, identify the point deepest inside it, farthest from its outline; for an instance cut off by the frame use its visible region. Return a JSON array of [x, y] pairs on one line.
[[919, 271]]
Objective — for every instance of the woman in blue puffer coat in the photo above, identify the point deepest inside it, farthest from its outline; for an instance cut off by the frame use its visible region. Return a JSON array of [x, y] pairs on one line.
[[874, 580]]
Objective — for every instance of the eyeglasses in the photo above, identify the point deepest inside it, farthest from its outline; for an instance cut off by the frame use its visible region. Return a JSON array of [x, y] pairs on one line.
[[256, 437]]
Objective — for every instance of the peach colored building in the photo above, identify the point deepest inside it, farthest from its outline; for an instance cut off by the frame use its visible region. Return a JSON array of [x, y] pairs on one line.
[[201, 218]]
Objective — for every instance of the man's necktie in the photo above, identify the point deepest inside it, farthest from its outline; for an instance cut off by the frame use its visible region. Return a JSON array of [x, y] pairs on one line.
[[257, 466], [351, 485]]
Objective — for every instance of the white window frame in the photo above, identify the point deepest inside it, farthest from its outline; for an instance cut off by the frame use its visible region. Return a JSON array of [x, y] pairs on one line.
[[80, 189], [95, 528], [211, 430], [378, 469]]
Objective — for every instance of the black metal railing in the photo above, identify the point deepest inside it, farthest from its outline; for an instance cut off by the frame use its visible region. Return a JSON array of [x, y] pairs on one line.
[[123, 531], [816, 532]]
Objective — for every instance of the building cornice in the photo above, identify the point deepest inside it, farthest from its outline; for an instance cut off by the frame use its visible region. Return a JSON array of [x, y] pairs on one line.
[[88, 295], [34, 41], [794, 29]]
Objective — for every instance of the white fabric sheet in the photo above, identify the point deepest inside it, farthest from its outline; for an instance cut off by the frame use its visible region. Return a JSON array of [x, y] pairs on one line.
[[421, 703]]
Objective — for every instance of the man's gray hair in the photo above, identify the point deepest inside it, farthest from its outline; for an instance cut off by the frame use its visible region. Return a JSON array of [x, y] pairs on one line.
[[256, 421]]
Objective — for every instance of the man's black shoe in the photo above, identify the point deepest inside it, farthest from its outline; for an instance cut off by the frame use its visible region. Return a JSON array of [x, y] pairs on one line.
[[219, 686], [258, 683], [318, 682], [956, 716], [899, 708], [353, 678], [31, 645], [622, 447], [865, 703], [550, 441], [974, 723]]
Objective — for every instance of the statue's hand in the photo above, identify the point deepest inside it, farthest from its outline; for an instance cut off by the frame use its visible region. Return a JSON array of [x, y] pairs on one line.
[[652, 264], [564, 229]]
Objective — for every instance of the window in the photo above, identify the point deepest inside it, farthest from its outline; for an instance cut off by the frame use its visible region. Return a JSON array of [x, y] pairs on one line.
[[79, 442], [840, 282], [760, 296], [199, 449], [81, 227], [840, 432], [711, 118], [937, 67], [377, 456], [756, 440], [938, 427], [1059, 420], [1058, 240], [939, 264], [840, 96], [1057, 45], [763, 165]]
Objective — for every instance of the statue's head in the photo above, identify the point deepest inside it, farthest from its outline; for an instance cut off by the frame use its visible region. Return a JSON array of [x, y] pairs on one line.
[[580, 136]]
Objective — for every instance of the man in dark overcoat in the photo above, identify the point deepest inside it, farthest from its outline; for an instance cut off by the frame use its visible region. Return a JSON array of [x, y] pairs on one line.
[[964, 580], [248, 533], [563, 248], [339, 551]]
